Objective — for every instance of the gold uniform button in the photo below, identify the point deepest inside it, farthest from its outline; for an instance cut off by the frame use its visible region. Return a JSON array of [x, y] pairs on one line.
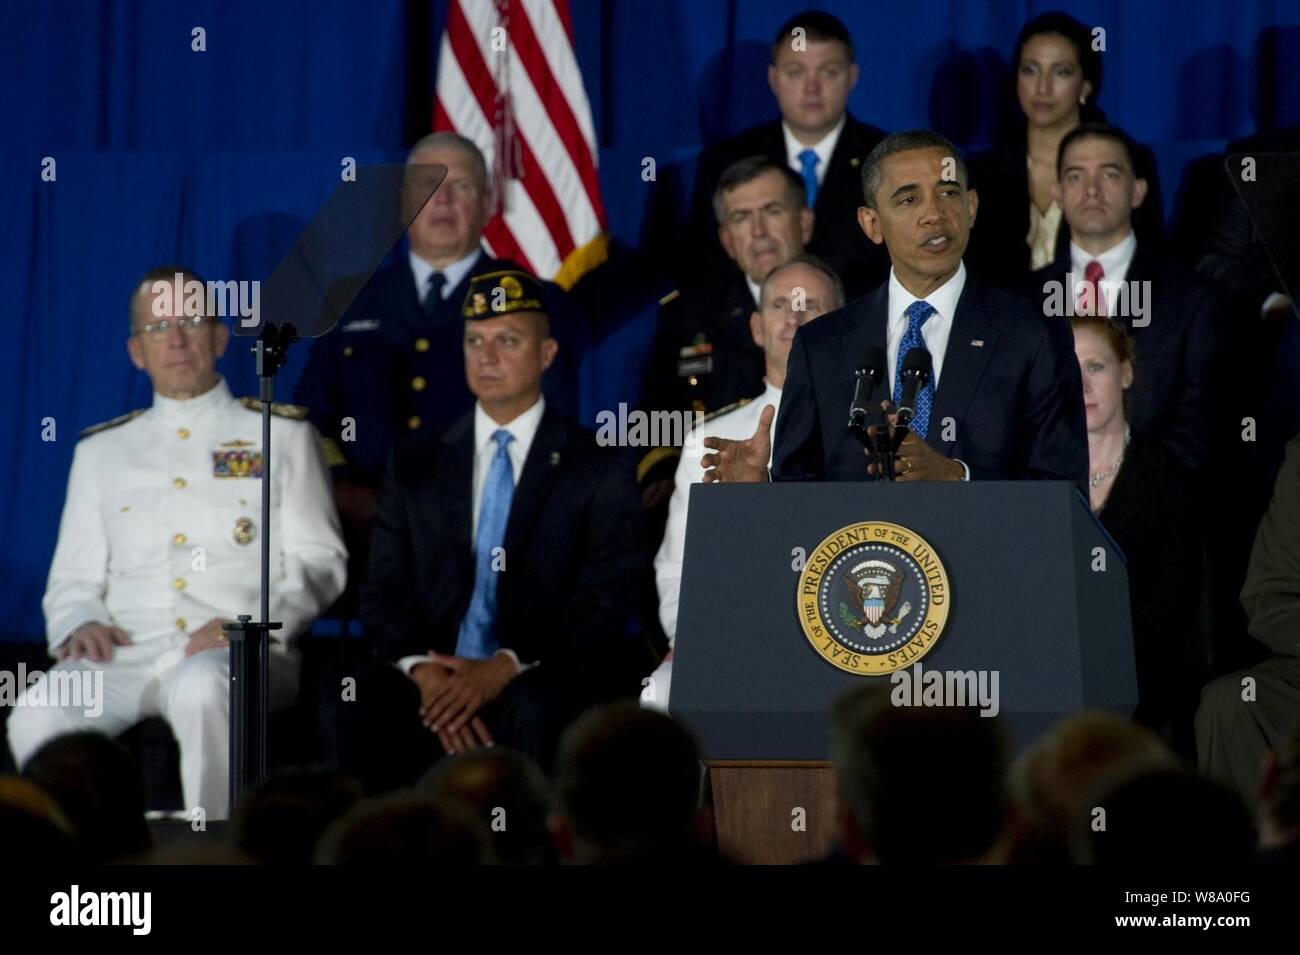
[[413, 422], [418, 383], [178, 539], [347, 352], [422, 344], [183, 432], [179, 583], [180, 624], [694, 381], [179, 482]]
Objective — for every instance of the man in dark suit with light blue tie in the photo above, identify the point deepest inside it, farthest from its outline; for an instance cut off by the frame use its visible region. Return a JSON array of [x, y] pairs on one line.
[[1004, 401], [506, 558]]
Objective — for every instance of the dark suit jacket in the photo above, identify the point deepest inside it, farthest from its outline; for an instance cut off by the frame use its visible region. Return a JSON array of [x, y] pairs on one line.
[[1151, 514], [837, 238], [1176, 367], [1016, 399], [393, 370], [573, 552], [998, 253]]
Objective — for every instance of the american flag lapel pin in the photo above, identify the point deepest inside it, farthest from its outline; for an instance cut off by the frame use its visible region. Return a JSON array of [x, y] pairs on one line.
[[555, 459], [977, 342]]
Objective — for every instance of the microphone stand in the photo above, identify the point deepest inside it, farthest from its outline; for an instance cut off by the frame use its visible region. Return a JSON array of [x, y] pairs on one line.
[[249, 640]]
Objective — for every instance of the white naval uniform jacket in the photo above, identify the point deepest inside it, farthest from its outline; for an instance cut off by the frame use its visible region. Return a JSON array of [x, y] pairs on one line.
[[161, 530], [738, 423]]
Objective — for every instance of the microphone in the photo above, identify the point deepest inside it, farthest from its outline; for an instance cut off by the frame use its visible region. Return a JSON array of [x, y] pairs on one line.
[[868, 375], [917, 367]]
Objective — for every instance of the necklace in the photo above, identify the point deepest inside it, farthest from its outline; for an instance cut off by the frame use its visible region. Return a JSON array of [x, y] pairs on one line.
[[1095, 480]]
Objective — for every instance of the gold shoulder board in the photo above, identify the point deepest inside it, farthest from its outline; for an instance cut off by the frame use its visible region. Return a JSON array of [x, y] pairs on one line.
[[105, 425], [721, 411], [279, 409]]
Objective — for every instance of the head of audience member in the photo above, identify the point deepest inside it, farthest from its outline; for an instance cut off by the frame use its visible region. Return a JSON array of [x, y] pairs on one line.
[[451, 223], [791, 295], [282, 818], [763, 218], [173, 338], [507, 791], [1097, 188], [98, 787], [1104, 349], [811, 74], [627, 786], [917, 201], [31, 823], [1048, 779], [1058, 72], [406, 830], [942, 766], [1279, 796], [1166, 814], [508, 343]]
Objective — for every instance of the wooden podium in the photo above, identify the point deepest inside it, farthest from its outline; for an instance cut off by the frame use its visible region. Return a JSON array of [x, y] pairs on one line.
[[773, 812]]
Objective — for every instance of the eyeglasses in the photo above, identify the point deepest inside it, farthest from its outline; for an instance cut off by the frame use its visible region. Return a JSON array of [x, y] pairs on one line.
[[185, 324]]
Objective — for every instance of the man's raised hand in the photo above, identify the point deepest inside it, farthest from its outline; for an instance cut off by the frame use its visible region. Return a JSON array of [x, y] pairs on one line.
[[741, 462]]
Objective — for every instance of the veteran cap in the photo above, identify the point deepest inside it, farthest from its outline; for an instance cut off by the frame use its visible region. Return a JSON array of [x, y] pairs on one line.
[[501, 293]]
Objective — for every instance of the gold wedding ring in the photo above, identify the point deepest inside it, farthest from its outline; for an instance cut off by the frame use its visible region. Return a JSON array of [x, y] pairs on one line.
[[908, 469]]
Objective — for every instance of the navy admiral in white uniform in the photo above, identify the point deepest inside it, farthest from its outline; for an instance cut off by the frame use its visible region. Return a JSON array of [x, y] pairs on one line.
[[159, 545], [791, 295]]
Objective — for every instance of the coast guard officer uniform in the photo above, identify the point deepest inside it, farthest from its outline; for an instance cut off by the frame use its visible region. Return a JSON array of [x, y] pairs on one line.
[[161, 533]]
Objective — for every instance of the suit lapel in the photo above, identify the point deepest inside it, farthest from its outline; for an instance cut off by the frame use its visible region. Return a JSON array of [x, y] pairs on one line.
[[971, 343], [455, 486], [541, 470], [870, 329], [842, 172]]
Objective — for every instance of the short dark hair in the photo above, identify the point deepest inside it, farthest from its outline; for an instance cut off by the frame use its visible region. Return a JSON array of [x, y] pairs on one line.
[[903, 142], [1075, 32], [280, 820], [1098, 131], [159, 273], [813, 262], [944, 764], [628, 780], [747, 170], [818, 26]]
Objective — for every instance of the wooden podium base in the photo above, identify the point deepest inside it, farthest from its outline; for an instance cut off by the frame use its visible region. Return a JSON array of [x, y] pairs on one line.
[[773, 813]]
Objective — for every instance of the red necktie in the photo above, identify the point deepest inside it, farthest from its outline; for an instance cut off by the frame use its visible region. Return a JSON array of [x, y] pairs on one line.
[[1091, 301]]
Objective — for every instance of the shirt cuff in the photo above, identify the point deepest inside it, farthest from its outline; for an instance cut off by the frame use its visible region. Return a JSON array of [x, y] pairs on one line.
[[965, 470], [407, 664], [519, 667], [1274, 299]]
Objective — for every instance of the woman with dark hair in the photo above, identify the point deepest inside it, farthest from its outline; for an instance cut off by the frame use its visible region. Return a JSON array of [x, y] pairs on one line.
[[1144, 500], [1020, 228]]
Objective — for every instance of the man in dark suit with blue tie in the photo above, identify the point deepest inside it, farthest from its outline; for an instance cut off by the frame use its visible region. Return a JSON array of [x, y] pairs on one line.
[[1005, 400], [394, 364], [506, 559]]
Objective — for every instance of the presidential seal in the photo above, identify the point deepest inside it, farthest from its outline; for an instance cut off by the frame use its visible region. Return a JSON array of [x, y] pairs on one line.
[[873, 598]]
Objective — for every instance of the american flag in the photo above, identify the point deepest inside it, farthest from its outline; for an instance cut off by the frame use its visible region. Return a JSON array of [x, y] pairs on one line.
[[509, 80]]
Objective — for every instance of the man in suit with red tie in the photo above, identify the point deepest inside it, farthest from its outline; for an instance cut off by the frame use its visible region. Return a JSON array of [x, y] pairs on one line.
[[1004, 400], [506, 554]]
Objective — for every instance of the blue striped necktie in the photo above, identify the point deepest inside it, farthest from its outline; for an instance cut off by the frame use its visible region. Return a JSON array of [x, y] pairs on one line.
[[808, 160], [917, 313], [477, 638]]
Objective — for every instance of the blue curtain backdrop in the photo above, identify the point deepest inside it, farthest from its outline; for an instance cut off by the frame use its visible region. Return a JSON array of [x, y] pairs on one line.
[[217, 158]]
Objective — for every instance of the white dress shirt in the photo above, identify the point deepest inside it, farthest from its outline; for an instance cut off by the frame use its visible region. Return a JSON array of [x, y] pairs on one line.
[[755, 290], [824, 149], [161, 530], [1115, 263], [454, 272], [524, 430], [936, 329]]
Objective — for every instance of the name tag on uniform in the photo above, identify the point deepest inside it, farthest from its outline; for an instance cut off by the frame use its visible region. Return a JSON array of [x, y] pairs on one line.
[[236, 463]]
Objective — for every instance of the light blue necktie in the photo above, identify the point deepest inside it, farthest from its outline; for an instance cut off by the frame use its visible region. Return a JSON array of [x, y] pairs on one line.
[[808, 160], [478, 638], [917, 313]]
